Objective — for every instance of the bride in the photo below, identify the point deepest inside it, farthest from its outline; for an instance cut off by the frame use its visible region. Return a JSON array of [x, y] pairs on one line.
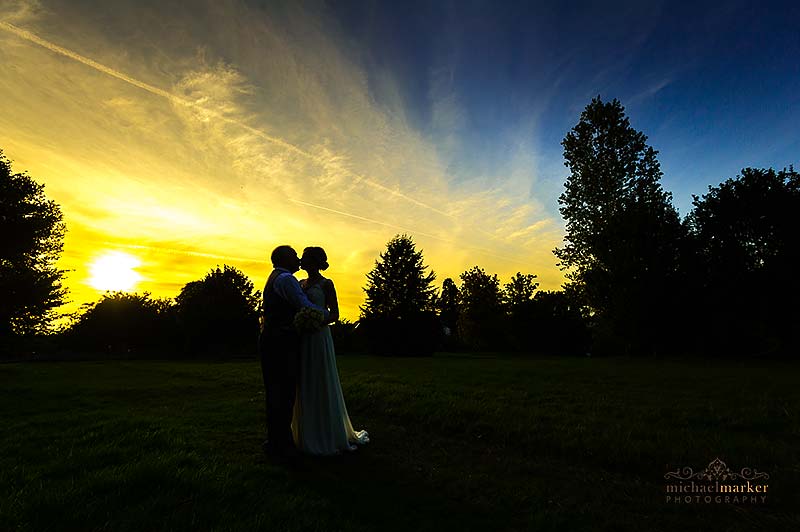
[[320, 425]]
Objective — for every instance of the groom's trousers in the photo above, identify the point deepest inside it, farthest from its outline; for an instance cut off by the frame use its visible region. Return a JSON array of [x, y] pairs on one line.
[[280, 355]]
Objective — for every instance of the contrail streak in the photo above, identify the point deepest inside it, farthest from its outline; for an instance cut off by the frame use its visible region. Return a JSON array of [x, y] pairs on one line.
[[174, 251], [362, 218], [485, 251], [31, 37]]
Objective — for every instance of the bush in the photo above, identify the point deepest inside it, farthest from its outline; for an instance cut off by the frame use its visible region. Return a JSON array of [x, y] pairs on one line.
[[121, 323], [419, 334], [549, 323], [345, 336]]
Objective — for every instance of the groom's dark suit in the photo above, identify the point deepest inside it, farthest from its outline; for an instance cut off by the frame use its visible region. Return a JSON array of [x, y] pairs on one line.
[[279, 348]]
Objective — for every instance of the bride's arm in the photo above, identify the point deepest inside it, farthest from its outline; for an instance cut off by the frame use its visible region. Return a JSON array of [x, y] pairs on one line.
[[331, 300]]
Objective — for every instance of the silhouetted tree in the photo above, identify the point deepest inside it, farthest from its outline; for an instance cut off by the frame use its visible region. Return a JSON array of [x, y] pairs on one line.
[[399, 315], [448, 304], [556, 323], [623, 236], [398, 285], [520, 289], [219, 312], [31, 240], [482, 311], [517, 298], [748, 255], [122, 322]]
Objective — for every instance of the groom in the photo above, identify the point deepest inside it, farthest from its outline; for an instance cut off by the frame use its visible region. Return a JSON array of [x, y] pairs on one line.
[[279, 349]]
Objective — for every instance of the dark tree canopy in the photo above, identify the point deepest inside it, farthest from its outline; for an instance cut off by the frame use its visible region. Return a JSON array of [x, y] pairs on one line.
[[520, 289], [555, 323], [614, 177], [481, 317], [448, 304], [399, 286], [219, 311], [31, 240], [120, 322], [622, 233], [747, 255], [748, 224]]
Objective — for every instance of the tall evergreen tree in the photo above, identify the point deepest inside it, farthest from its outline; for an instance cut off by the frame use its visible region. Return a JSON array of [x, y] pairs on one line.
[[623, 234], [399, 286]]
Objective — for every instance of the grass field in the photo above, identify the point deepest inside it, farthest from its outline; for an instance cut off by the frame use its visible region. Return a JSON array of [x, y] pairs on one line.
[[458, 443]]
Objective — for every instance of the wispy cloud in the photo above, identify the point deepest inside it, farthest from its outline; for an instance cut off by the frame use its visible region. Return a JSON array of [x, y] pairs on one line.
[[224, 143]]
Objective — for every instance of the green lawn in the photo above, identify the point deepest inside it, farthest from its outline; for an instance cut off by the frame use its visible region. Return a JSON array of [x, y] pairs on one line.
[[458, 443]]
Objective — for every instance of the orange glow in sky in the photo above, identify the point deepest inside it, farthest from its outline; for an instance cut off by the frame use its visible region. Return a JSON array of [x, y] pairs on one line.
[[171, 152]]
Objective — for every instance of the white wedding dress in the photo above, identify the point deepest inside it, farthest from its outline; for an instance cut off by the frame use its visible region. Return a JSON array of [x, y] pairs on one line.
[[320, 424]]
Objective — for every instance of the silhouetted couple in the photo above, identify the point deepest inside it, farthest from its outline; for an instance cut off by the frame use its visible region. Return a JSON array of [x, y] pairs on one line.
[[305, 405]]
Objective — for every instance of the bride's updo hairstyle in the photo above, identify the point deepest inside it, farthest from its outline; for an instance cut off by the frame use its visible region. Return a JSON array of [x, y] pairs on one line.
[[316, 255]]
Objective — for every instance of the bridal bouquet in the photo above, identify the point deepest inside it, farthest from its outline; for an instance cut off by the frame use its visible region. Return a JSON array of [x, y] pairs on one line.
[[308, 320]]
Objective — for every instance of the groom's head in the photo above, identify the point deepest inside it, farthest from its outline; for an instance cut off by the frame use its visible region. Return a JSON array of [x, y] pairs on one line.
[[285, 257]]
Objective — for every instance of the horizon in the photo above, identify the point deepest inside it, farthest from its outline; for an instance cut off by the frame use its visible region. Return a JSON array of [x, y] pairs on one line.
[[179, 138]]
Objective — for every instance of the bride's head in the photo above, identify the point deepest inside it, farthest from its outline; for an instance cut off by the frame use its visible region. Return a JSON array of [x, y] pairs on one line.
[[314, 258]]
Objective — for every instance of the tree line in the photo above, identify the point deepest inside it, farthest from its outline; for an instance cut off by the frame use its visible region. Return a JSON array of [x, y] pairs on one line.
[[720, 281], [405, 313], [640, 280], [216, 315]]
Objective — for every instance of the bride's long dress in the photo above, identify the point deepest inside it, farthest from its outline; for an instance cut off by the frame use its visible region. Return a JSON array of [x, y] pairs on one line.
[[320, 425]]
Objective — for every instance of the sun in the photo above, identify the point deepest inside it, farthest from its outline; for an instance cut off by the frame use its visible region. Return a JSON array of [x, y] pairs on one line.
[[114, 271]]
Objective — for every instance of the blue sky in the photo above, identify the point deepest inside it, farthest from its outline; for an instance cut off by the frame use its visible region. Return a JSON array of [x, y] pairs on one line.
[[715, 86]]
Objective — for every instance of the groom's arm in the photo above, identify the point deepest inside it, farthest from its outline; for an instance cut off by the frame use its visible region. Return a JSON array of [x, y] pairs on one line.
[[289, 289]]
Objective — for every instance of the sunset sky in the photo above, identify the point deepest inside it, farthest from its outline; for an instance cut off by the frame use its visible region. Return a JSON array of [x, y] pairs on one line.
[[181, 135]]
